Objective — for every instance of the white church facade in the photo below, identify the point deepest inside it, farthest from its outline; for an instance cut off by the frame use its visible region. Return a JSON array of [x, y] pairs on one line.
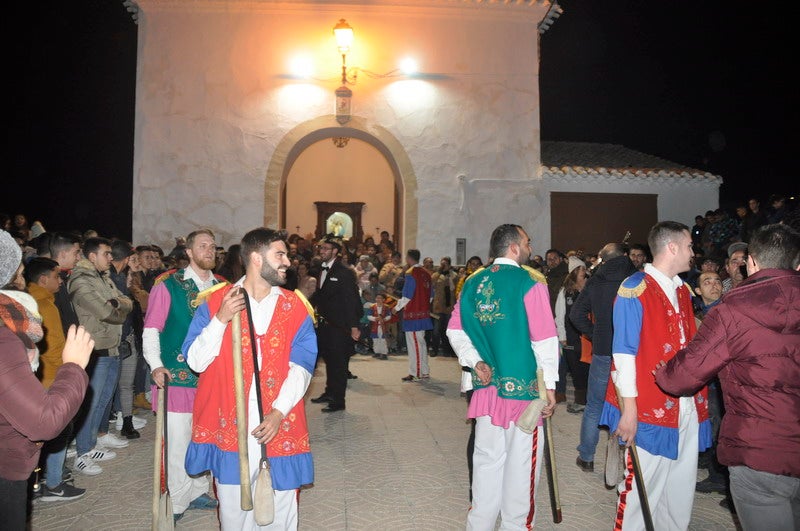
[[238, 125]]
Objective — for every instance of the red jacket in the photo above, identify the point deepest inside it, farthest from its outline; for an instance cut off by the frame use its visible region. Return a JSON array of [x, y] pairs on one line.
[[752, 340], [29, 414]]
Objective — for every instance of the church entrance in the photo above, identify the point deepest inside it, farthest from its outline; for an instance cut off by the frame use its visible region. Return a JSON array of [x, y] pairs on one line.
[[356, 178], [348, 190]]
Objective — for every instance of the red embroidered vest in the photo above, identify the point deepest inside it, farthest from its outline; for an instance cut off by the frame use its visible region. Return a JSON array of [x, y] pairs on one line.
[[419, 307], [660, 339], [214, 418]]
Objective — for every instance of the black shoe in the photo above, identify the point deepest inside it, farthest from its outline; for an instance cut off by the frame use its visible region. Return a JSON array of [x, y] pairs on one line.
[[586, 466], [433, 354], [383, 357], [728, 504], [128, 430], [322, 399], [708, 485], [333, 407], [351, 376], [63, 492]]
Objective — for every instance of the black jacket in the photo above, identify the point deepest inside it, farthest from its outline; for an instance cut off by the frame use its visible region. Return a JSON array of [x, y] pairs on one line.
[[597, 298], [337, 302]]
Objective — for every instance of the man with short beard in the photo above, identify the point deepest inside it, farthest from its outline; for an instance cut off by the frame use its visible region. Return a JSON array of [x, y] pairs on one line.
[[169, 313], [286, 352]]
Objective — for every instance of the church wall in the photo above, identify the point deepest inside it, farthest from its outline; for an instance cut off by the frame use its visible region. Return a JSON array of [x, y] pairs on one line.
[[214, 99]]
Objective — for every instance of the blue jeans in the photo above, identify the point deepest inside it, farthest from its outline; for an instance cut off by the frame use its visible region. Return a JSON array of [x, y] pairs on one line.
[[764, 500], [103, 374], [595, 396]]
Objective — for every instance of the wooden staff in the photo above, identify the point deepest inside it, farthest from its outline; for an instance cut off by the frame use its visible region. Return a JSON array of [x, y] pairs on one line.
[[550, 455], [246, 494], [637, 474], [163, 518]]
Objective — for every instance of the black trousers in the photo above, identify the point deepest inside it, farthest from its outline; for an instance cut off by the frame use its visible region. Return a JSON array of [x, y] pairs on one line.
[[13, 504], [335, 347]]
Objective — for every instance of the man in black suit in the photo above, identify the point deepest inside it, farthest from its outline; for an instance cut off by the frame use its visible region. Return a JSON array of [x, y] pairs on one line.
[[338, 306]]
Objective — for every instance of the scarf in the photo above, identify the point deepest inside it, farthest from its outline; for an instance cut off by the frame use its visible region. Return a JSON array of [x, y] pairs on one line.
[[20, 314]]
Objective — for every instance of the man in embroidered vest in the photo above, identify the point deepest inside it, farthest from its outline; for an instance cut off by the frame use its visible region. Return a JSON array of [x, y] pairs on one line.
[[169, 312], [287, 351], [653, 320], [503, 329], [416, 301]]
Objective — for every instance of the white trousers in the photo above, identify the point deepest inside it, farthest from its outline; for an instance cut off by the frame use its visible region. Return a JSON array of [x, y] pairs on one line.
[[669, 483], [231, 515], [417, 354], [379, 345], [183, 489], [505, 476]]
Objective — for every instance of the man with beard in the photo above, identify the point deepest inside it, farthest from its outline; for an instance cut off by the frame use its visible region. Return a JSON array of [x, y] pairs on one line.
[[169, 313], [502, 328], [286, 351], [338, 305]]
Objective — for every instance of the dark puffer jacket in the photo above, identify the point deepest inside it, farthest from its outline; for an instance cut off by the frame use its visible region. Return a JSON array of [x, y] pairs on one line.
[[752, 339], [597, 298]]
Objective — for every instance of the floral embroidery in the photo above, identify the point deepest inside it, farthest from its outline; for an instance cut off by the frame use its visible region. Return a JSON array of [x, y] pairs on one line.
[[669, 404], [180, 358], [510, 387], [658, 413], [183, 375]]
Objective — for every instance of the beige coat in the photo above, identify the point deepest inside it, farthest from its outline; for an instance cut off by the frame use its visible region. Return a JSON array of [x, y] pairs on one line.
[[92, 294]]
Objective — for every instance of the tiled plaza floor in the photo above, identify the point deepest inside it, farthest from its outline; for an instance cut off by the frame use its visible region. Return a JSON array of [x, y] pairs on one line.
[[394, 460]]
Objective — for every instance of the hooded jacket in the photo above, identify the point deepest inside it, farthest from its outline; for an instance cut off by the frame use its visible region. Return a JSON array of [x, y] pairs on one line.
[[597, 299], [752, 340], [100, 306]]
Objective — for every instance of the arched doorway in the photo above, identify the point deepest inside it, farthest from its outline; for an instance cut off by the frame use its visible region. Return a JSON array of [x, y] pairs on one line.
[[308, 133]]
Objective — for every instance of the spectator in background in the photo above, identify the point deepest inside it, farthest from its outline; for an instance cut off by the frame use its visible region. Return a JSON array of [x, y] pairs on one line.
[[639, 255], [232, 268], [555, 273], [778, 210], [102, 310], [29, 413], [724, 231], [697, 231], [735, 266]]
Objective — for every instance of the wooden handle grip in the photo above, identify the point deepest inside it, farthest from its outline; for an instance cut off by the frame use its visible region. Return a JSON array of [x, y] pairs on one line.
[[241, 414]]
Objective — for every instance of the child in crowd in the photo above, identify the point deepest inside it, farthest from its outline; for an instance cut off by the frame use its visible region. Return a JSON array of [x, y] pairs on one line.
[[379, 317]]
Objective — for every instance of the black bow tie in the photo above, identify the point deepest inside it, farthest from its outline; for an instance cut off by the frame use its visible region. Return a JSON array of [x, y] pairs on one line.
[[325, 268]]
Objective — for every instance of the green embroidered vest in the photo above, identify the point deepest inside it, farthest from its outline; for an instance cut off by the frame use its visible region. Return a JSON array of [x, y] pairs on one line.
[[493, 315], [181, 292]]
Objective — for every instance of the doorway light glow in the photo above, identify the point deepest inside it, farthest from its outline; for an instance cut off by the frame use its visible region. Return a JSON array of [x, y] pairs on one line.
[[409, 66]]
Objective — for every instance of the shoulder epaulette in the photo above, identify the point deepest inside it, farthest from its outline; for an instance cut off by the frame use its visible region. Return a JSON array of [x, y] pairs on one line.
[[206, 293], [633, 286], [535, 274], [163, 276], [307, 304]]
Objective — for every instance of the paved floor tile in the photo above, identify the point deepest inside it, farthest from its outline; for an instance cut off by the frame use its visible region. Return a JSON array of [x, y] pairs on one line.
[[394, 460]]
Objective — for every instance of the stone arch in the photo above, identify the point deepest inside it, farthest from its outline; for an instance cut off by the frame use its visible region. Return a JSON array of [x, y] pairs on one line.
[[303, 135]]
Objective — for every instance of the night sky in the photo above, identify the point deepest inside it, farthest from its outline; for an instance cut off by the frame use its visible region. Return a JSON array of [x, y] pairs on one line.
[[704, 84]]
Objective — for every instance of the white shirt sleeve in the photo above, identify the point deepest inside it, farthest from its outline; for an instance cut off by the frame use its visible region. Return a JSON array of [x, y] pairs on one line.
[[546, 352], [402, 303], [561, 310], [206, 346], [625, 374], [151, 348], [293, 389], [467, 353]]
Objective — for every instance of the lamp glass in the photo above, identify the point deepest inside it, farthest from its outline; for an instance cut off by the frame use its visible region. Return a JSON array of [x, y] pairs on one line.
[[344, 35]]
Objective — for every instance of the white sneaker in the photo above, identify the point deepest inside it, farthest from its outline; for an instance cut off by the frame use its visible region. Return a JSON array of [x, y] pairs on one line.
[[85, 465], [96, 454], [109, 440], [138, 422]]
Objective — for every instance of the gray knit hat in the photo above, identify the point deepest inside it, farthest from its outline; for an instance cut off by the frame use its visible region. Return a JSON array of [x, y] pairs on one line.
[[10, 257]]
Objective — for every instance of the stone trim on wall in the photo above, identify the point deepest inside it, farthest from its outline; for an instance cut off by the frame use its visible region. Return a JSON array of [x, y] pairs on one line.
[[295, 141]]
